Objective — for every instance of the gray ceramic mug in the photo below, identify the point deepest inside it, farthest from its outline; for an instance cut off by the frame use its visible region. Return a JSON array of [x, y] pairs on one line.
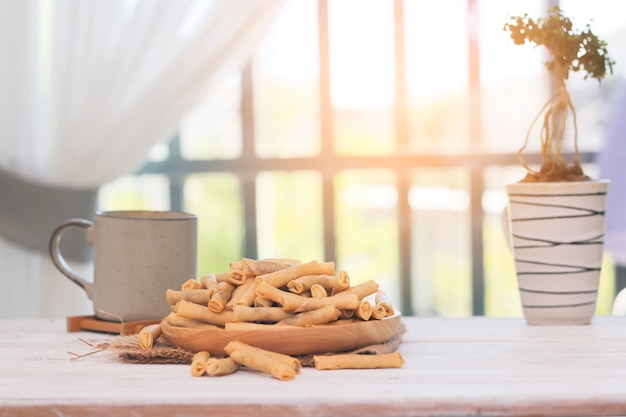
[[137, 257]]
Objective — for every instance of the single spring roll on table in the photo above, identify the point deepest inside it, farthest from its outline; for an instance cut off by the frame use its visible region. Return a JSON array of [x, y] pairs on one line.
[[221, 366], [279, 366], [358, 361], [263, 363], [199, 362], [290, 361]]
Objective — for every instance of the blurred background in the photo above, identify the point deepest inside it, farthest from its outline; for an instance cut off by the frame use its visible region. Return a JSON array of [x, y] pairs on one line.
[[375, 133]]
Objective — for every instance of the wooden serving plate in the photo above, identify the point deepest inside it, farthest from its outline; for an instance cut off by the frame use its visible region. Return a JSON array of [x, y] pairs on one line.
[[290, 340]]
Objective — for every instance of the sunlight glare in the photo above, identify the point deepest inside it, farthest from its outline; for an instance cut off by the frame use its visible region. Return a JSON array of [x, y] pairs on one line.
[[439, 199], [374, 196], [436, 60], [361, 53]]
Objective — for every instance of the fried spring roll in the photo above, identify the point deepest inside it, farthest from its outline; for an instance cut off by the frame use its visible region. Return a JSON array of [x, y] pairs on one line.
[[208, 281], [383, 299], [332, 283], [175, 320], [364, 310], [343, 281], [346, 314], [236, 276], [259, 314], [191, 284], [305, 282], [297, 304], [198, 296], [290, 361], [262, 302], [388, 308], [221, 296], [199, 362], [362, 290], [222, 277], [358, 361], [263, 363], [379, 312], [203, 314], [322, 315], [317, 291], [281, 278], [148, 335], [221, 366], [243, 294], [252, 267]]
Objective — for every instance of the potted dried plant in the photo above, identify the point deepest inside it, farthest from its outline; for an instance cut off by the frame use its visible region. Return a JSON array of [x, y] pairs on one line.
[[556, 213]]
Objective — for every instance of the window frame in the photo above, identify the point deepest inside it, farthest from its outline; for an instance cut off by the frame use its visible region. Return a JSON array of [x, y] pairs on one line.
[[248, 165]]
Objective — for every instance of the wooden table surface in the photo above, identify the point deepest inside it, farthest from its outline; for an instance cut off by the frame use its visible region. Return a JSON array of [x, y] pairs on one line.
[[454, 367]]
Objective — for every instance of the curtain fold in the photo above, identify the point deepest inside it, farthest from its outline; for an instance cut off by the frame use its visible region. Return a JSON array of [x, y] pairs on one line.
[[87, 88], [611, 162]]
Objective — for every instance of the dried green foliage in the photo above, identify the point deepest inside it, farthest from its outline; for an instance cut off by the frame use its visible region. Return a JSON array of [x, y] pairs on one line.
[[571, 50]]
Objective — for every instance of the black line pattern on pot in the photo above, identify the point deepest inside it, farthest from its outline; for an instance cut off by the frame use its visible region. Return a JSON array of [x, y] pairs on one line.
[[552, 243], [558, 195], [558, 292], [562, 305], [586, 212], [574, 269]]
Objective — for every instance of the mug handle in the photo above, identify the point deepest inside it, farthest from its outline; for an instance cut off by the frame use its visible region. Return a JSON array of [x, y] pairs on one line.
[[57, 257]]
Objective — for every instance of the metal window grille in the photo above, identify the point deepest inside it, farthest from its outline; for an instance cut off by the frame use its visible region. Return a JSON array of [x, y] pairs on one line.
[[177, 168]]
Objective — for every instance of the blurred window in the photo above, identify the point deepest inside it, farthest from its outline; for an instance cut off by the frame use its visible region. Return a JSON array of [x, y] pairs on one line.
[[378, 134]]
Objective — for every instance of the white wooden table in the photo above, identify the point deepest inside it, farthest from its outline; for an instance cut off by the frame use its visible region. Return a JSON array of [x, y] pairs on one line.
[[467, 366]]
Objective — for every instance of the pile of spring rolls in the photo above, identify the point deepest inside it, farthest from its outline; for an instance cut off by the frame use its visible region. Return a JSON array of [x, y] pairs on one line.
[[278, 292]]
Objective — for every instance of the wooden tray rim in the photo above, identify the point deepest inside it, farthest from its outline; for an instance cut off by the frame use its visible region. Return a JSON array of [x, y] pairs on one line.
[[272, 331]]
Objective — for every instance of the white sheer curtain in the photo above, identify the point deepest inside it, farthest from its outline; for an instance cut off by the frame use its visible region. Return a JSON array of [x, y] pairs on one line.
[[87, 88]]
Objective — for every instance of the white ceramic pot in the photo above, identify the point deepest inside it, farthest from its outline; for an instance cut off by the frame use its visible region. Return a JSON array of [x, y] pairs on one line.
[[557, 236]]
